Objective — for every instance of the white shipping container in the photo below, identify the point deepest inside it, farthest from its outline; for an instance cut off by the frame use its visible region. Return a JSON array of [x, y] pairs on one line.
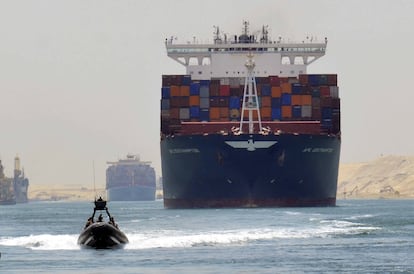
[[204, 102], [306, 111], [204, 92], [234, 82], [334, 91], [184, 113], [224, 81]]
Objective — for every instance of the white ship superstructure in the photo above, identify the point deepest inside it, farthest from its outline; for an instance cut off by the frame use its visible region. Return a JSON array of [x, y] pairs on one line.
[[226, 56]]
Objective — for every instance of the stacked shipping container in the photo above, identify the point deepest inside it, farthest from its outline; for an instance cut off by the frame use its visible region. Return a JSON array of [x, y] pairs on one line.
[[310, 97]]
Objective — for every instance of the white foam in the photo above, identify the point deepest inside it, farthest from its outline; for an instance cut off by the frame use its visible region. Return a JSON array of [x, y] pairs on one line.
[[43, 242], [145, 239]]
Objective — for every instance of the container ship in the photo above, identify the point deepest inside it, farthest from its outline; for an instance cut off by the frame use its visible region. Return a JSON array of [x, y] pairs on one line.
[[246, 126], [130, 179], [13, 190]]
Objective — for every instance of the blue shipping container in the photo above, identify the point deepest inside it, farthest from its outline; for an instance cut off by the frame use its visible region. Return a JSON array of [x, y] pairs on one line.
[[296, 88], [186, 81], [165, 104], [296, 111], [194, 112], [266, 90], [204, 115], [276, 102], [276, 113], [165, 92], [286, 99], [326, 113], [205, 83], [313, 80], [234, 102], [195, 88]]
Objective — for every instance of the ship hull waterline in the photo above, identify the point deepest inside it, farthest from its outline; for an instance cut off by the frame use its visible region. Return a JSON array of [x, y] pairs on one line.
[[250, 170], [131, 193]]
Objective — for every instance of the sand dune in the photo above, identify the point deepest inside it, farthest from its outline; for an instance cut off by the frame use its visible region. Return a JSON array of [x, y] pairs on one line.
[[385, 177]]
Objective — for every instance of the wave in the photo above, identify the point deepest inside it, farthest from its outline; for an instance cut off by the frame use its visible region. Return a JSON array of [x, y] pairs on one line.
[[43, 242], [186, 239]]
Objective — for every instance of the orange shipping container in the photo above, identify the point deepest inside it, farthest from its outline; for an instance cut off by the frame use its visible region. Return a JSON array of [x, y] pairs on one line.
[[286, 87], [185, 90], [175, 91], [276, 92], [266, 101], [224, 112], [266, 112], [214, 113], [286, 112], [306, 100], [194, 100], [296, 100], [246, 115]]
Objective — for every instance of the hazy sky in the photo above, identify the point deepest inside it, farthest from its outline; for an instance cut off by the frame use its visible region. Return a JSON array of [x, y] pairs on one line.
[[80, 80]]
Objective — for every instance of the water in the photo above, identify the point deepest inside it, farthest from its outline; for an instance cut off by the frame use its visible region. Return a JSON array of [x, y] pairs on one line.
[[356, 236]]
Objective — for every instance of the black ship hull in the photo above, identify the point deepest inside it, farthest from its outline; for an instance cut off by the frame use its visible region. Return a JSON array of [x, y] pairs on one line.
[[249, 170]]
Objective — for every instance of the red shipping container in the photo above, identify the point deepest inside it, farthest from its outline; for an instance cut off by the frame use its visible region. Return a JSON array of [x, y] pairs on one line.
[[175, 113], [274, 81], [224, 90], [303, 79], [325, 91], [175, 102], [326, 102], [316, 114], [332, 79], [185, 101], [215, 90]]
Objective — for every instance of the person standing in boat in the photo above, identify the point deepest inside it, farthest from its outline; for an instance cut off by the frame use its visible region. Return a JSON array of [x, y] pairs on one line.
[[89, 222]]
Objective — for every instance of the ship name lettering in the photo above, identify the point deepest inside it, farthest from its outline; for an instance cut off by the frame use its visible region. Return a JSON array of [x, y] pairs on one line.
[[318, 150], [184, 150]]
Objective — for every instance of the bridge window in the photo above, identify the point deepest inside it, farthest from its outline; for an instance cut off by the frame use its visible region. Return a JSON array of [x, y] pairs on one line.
[[299, 60], [193, 61], [285, 60], [206, 61]]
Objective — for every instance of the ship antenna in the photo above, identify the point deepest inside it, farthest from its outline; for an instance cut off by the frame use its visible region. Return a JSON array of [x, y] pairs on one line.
[[217, 38], [250, 99]]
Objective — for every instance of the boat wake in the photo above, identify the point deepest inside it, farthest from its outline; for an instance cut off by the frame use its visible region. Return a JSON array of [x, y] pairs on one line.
[[139, 239]]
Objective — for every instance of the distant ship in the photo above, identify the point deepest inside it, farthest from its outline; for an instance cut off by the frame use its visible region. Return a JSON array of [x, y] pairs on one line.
[[246, 126], [130, 179], [13, 190]]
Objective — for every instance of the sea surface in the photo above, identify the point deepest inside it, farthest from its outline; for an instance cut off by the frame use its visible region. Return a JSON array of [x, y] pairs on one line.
[[356, 236]]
